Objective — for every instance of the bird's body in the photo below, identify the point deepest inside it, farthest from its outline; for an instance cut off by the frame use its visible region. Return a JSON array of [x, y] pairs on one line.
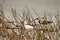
[[28, 27]]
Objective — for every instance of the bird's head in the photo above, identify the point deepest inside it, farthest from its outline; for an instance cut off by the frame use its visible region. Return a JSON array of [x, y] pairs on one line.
[[25, 22]]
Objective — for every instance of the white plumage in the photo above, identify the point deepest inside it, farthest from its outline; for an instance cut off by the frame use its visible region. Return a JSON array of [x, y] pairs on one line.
[[27, 26], [36, 21]]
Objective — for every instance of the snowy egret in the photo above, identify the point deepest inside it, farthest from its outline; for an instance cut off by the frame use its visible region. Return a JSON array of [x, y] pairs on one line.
[[27, 26]]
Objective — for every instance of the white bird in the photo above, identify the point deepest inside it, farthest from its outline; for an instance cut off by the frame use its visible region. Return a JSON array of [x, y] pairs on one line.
[[27, 26]]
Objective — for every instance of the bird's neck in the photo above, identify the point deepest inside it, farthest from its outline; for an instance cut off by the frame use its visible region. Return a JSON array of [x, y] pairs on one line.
[[25, 24]]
